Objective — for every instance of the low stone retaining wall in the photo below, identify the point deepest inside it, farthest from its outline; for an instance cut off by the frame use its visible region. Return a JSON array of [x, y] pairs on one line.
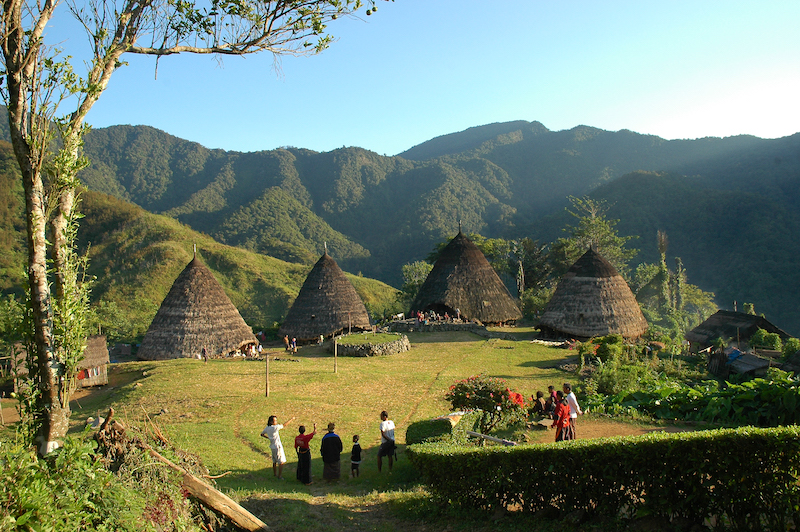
[[372, 350], [408, 326]]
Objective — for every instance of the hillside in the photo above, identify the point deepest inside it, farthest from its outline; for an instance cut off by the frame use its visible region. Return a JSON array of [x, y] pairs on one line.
[[135, 256], [734, 196]]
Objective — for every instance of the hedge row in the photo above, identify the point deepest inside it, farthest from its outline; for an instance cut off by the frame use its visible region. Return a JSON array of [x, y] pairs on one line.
[[746, 477]]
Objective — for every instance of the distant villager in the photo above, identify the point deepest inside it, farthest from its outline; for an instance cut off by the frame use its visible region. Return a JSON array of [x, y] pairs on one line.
[[464, 284], [326, 305], [195, 315], [592, 299]]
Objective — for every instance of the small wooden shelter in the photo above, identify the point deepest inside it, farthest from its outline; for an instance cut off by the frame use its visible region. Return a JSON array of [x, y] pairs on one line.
[[462, 281], [327, 305], [195, 315], [92, 369], [592, 299], [736, 327]]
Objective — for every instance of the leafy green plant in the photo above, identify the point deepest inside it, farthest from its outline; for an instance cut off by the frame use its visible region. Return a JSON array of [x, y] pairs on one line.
[[489, 395], [694, 475], [791, 347]]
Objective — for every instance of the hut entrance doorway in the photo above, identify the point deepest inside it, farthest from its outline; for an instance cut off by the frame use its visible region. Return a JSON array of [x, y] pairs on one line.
[[441, 310]]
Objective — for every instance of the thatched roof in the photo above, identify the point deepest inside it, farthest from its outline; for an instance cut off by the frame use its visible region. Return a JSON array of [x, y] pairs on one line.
[[463, 279], [592, 299], [326, 305], [96, 352], [195, 314], [732, 326]]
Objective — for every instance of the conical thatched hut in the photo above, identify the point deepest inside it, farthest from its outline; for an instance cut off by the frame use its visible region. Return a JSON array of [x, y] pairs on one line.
[[326, 305], [592, 299], [462, 279], [196, 314]]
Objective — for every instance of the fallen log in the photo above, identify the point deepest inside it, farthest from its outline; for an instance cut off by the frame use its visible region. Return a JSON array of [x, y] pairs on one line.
[[491, 438], [212, 497], [201, 490]]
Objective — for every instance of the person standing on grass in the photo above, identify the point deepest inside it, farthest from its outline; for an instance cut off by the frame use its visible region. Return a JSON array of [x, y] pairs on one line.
[[575, 409], [387, 440], [272, 432], [331, 450], [301, 442], [355, 457], [561, 417]]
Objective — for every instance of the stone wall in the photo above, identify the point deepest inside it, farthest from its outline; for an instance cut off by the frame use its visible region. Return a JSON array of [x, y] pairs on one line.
[[372, 350], [407, 326]]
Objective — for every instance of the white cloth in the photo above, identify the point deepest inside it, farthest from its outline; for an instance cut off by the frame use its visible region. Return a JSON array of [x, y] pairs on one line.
[[275, 445], [574, 409], [387, 430]]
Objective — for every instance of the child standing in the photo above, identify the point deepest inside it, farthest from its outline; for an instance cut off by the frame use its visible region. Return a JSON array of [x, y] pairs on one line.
[[355, 457]]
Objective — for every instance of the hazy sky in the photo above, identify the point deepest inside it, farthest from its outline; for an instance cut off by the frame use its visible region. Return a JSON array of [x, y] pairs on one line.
[[418, 69]]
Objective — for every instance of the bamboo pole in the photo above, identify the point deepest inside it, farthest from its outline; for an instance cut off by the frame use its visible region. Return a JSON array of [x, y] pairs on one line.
[[267, 390]]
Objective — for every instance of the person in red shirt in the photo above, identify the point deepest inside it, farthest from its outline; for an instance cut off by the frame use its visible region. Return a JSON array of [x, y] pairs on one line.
[[301, 442], [561, 417]]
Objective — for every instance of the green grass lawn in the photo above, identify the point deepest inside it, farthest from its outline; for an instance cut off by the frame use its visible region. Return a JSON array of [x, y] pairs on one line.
[[217, 410]]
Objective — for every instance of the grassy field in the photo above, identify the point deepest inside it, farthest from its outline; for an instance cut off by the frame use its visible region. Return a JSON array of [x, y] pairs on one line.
[[217, 410]]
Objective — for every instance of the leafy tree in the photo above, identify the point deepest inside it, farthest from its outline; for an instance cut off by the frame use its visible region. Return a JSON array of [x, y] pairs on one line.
[[790, 347], [39, 78], [594, 229], [414, 274], [491, 396]]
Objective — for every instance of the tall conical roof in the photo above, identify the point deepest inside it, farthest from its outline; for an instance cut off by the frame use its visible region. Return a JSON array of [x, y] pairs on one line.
[[195, 314], [327, 304], [592, 299], [463, 279]]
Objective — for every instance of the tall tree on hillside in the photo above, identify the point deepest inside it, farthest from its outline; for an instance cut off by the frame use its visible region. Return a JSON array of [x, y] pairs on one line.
[[594, 229], [38, 78]]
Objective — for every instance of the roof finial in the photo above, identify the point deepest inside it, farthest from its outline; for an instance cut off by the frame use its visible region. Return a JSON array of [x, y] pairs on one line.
[[326, 248], [459, 226], [195, 250]]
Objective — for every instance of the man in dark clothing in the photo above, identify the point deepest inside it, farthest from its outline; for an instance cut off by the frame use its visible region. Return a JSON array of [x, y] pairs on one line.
[[331, 450]]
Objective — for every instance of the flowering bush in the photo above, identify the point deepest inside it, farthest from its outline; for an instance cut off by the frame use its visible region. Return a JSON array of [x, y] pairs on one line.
[[489, 395]]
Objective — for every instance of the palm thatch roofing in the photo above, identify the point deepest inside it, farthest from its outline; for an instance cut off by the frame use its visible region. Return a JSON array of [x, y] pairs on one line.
[[196, 314], [592, 299], [726, 324], [463, 279], [326, 305]]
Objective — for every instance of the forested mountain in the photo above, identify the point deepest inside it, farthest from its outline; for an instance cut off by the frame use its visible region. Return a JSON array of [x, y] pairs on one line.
[[727, 205], [135, 256]]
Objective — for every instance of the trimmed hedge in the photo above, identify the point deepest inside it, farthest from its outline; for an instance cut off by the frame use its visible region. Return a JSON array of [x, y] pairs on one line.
[[746, 477], [440, 429], [428, 430]]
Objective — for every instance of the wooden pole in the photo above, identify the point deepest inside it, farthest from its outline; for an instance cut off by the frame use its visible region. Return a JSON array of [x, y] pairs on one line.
[[2, 419], [335, 368], [267, 391]]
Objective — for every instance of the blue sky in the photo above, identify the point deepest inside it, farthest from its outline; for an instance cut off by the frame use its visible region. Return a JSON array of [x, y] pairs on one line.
[[418, 69]]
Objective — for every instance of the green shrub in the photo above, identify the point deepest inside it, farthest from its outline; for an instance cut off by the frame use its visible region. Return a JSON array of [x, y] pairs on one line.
[[765, 340], [428, 430], [489, 395], [610, 346], [747, 477], [66, 491], [791, 347]]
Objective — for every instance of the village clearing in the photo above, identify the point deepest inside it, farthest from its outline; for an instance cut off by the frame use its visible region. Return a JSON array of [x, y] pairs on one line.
[[217, 411]]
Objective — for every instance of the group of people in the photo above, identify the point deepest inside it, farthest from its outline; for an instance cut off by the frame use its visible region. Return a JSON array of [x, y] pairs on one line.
[[331, 448], [291, 345], [427, 317], [562, 407]]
